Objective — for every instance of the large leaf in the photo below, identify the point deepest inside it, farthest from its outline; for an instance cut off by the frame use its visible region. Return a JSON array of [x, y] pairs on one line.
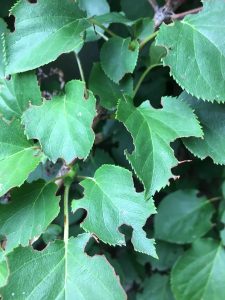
[[196, 51], [43, 31], [153, 130], [119, 57], [187, 217], [111, 201], [200, 273], [31, 209], [17, 93], [157, 287], [18, 157], [212, 119], [2, 63], [61, 271], [63, 125]]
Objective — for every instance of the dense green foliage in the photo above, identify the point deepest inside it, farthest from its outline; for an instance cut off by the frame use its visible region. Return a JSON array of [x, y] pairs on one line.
[[112, 150]]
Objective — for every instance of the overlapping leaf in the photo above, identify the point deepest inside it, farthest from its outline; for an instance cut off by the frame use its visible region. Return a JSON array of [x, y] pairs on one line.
[[200, 273], [187, 217], [119, 57], [63, 125], [111, 201], [4, 271], [212, 119], [196, 51], [31, 209], [157, 287], [43, 31], [107, 90], [17, 93], [18, 157], [153, 130], [2, 64], [61, 271]]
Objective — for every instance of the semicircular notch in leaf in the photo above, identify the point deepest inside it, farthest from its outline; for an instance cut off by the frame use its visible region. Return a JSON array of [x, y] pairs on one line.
[[200, 272], [119, 57], [67, 272], [31, 209], [212, 119], [196, 51], [63, 125], [153, 130], [18, 157], [17, 93], [111, 201], [55, 27], [187, 216]]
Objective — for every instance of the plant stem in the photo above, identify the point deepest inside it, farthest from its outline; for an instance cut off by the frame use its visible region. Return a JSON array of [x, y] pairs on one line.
[[153, 4], [102, 35], [143, 77], [148, 39], [81, 73], [66, 213], [94, 22], [184, 14]]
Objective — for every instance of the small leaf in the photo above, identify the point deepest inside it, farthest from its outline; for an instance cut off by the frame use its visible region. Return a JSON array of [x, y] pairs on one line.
[[119, 57], [111, 201], [42, 32], [18, 157], [157, 287], [95, 7], [187, 217], [63, 125], [17, 93], [200, 272], [107, 90], [212, 119], [153, 130], [33, 207], [196, 51], [61, 271]]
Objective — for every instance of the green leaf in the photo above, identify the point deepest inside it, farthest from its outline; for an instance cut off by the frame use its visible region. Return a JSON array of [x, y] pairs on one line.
[[113, 17], [108, 91], [61, 271], [156, 54], [17, 93], [51, 233], [153, 130], [212, 119], [167, 255], [64, 123], [157, 287], [43, 32], [121, 53], [4, 271], [111, 201], [33, 207], [18, 157], [196, 51], [2, 62], [200, 273], [95, 7], [187, 216]]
